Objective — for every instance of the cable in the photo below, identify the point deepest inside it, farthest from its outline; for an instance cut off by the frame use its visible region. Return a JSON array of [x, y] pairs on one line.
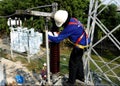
[[26, 10], [39, 7], [7, 15]]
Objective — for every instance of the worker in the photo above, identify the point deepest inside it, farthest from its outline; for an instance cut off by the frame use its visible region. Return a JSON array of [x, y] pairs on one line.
[[74, 31], [44, 71]]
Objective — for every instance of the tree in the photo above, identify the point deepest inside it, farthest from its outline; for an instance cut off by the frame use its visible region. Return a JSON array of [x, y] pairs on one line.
[[76, 8], [110, 18]]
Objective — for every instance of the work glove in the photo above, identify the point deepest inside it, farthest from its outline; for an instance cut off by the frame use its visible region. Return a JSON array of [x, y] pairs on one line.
[[54, 34]]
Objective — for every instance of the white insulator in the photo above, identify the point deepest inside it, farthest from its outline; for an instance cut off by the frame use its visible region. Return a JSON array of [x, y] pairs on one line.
[[12, 22]]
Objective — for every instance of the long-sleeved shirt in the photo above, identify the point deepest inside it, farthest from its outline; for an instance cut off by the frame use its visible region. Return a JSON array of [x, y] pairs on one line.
[[73, 32]]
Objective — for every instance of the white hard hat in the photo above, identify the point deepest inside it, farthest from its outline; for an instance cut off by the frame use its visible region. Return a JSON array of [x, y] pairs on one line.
[[60, 17], [45, 64]]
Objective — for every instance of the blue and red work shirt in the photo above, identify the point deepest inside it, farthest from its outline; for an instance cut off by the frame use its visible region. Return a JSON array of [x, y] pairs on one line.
[[73, 32]]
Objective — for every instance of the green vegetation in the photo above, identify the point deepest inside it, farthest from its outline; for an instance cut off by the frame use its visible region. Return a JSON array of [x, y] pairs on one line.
[[107, 57], [37, 64], [76, 8]]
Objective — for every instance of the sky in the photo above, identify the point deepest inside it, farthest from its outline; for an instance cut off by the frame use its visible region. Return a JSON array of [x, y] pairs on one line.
[[117, 2]]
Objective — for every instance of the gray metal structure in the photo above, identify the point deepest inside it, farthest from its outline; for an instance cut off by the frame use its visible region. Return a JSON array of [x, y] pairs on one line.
[[105, 73]]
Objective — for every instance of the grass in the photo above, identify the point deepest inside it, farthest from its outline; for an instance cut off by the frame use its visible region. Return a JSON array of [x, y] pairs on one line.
[[64, 64], [107, 57], [64, 59], [37, 64]]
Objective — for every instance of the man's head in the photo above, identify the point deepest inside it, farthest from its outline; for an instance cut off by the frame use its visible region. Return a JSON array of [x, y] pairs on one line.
[[60, 17]]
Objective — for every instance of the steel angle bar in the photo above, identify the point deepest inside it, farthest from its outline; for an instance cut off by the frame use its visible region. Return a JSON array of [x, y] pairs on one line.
[[89, 32], [89, 13], [103, 7], [85, 62], [90, 9], [107, 35], [109, 62], [93, 11], [108, 31], [91, 78], [88, 76], [112, 69], [105, 63], [99, 69], [87, 70], [100, 58], [113, 76], [93, 23], [112, 83]]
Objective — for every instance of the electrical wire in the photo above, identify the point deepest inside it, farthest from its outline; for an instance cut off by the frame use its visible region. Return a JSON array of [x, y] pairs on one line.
[[26, 10], [7, 16], [39, 7]]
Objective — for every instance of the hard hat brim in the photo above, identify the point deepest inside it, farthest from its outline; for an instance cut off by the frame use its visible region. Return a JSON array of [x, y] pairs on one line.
[[58, 24]]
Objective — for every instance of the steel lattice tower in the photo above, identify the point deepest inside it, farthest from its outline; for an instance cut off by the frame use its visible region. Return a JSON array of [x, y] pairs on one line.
[[105, 71]]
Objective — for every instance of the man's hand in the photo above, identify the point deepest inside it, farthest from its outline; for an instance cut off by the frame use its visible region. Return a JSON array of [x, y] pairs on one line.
[[54, 34]]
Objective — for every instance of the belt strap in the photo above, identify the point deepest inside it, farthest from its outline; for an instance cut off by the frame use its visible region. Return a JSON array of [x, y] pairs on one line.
[[81, 36]]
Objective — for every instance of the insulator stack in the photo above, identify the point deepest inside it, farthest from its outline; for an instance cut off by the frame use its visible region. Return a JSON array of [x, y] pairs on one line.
[[54, 58]]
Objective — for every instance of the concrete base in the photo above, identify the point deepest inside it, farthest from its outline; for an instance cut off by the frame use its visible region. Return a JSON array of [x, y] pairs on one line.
[[62, 80]]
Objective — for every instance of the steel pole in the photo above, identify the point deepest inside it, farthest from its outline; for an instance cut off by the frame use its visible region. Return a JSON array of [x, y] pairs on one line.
[[47, 51]]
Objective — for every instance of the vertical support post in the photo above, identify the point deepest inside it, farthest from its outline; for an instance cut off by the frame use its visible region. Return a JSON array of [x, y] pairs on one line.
[[92, 33], [47, 51], [28, 52], [11, 41], [87, 64], [11, 45], [54, 7]]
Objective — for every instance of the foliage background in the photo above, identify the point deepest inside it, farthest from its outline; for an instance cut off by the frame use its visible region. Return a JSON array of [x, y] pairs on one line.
[[76, 8]]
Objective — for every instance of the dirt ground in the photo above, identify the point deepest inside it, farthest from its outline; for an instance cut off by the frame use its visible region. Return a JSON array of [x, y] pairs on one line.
[[10, 66]]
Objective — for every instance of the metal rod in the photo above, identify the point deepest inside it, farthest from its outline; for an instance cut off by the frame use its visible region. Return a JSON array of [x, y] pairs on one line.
[[47, 50], [109, 62], [107, 35], [105, 63], [99, 69], [104, 7], [108, 31], [12, 56]]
